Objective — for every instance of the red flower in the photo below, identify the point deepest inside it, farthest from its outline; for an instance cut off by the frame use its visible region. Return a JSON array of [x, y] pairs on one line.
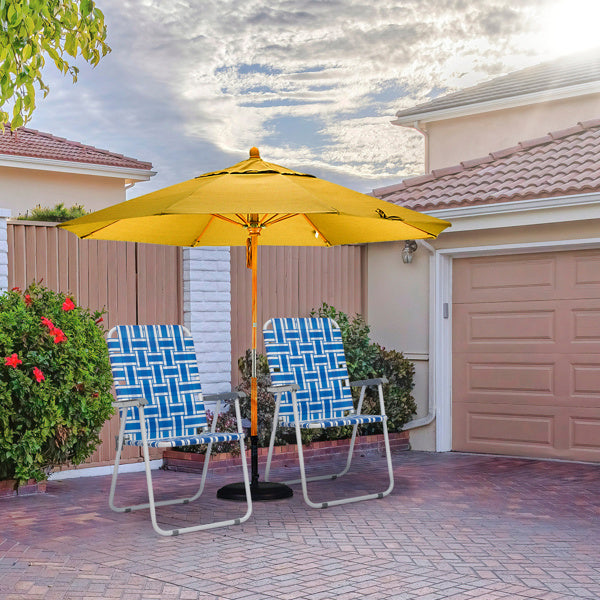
[[48, 323], [39, 376], [68, 304], [16, 289], [28, 300], [58, 334], [13, 361], [99, 320]]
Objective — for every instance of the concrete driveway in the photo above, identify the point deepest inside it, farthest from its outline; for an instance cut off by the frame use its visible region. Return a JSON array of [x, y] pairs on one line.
[[456, 526]]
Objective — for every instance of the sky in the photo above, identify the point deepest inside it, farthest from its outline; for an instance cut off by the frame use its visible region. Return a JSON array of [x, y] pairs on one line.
[[191, 85]]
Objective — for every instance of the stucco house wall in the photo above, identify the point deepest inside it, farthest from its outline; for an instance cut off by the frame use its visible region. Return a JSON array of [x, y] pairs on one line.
[[405, 302], [495, 207], [452, 140], [23, 189]]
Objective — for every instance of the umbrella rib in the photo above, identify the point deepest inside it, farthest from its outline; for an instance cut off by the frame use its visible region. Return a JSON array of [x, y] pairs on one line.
[[223, 218], [327, 242], [273, 219], [212, 218]]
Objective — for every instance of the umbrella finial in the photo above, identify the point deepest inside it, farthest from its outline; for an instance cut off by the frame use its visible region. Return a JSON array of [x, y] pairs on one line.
[[254, 153]]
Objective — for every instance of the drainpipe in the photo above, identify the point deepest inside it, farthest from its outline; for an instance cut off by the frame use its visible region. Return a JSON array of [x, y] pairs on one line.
[[430, 416], [422, 129]]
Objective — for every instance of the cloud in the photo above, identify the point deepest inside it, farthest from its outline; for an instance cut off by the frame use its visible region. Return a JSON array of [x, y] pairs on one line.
[[193, 82]]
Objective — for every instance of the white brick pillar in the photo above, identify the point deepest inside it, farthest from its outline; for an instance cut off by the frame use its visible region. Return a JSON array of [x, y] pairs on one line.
[[4, 216], [207, 313]]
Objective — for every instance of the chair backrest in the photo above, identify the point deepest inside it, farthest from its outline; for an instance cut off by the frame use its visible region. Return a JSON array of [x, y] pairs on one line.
[[158, 363], [310, 353]]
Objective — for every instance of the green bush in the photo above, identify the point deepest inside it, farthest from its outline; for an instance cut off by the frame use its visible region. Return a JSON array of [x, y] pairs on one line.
[[55, 382], [57, 214], [366, 360], [400, 406]]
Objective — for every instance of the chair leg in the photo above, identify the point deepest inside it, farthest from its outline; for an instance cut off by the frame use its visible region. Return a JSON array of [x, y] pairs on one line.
[[304, 479], [333, 475], [272, 442], [373, 496], [113, 483], [130, 508], [151, 504]]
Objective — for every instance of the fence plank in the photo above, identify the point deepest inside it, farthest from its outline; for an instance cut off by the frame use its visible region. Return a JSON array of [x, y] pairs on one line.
[[100, 275], [291, 282]]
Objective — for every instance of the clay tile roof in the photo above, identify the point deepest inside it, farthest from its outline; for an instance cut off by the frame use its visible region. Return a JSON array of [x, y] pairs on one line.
[[36, 144], [562, 163], [564, 72]]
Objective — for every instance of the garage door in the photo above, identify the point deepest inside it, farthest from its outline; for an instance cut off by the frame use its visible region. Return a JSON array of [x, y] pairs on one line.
[[526, 355]]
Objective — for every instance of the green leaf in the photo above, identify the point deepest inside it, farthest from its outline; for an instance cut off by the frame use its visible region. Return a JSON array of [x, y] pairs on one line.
[[59, 28], [71, 44], [86, 7]]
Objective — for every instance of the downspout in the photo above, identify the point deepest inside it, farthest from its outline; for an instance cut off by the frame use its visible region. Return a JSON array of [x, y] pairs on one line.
[[430, 416], [422, 129]]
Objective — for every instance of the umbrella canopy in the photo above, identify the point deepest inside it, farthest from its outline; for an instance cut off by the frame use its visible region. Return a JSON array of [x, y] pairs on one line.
[[250, 200], [216, 209]]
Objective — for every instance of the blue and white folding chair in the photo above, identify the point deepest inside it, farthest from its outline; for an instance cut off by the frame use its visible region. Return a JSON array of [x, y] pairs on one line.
[[312, 389], [161, 405]]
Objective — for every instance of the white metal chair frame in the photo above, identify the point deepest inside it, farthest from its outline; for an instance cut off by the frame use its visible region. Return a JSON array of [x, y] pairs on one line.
[[352, 417], [207, 437]]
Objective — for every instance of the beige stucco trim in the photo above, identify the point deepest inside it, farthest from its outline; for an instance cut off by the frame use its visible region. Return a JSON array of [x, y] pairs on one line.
[[499, 104], [582, 207], [63, 166]]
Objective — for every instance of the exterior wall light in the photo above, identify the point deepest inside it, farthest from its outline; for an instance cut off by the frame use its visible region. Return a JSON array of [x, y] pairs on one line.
[[410, 247]]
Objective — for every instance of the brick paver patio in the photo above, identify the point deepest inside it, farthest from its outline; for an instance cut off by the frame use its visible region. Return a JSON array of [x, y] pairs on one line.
[[456, 526]]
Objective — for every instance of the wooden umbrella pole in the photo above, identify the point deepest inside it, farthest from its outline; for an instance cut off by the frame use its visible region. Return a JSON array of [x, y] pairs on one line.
[[251, 261], [253, 389]]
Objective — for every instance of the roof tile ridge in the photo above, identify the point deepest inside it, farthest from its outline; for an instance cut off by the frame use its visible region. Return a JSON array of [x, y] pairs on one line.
[[590, 124], [452, 170], [388, 189], [563, 133], [84, 146], [475, 162], [91, 148], [539, 141], [419, 179], [504, 152]]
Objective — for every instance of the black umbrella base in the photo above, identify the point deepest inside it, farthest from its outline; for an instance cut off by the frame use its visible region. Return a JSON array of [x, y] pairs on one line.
[[260, 491]]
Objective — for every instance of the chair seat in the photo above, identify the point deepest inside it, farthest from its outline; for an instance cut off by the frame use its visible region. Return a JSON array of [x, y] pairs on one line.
[[204, 438], [340, 421]]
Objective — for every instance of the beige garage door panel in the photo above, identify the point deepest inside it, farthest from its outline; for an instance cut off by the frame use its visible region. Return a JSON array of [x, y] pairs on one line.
[[562, 275], [526, 355], [534, 326], [546, 431], [579, 274]]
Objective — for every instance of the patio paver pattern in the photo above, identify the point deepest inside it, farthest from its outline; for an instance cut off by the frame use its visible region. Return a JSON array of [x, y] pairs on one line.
[[456, 526]]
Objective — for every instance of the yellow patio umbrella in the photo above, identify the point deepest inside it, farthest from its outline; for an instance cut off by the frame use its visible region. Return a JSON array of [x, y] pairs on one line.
[[251, 201]]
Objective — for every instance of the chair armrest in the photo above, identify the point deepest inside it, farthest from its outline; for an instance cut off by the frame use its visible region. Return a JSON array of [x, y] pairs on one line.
[[368, 382], [290, 387], [132, 402], [224, 397]]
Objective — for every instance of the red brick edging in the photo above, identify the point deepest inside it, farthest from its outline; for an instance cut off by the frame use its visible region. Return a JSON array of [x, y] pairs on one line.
[[175, 460], [9, 488]]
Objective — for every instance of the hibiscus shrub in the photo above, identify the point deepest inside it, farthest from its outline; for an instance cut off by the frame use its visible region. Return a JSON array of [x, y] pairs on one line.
[[55, 382]]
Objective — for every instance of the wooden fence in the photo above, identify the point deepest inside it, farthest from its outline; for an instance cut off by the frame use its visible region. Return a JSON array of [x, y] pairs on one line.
[[142, 284], [291, 282], [134, 283]]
